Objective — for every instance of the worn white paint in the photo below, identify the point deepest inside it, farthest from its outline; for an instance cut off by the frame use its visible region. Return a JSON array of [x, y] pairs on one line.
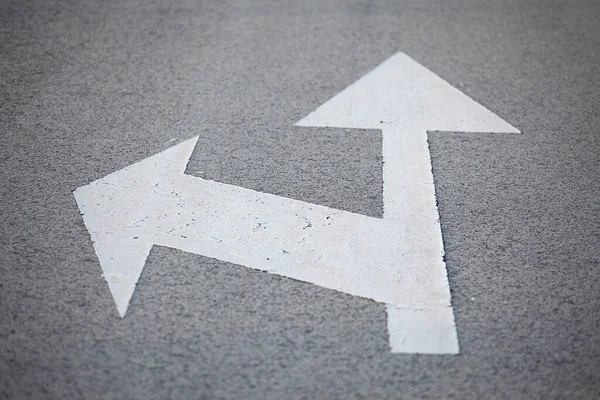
[[396, 260]]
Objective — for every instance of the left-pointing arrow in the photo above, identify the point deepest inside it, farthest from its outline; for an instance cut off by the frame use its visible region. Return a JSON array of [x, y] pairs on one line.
[[154, 202]]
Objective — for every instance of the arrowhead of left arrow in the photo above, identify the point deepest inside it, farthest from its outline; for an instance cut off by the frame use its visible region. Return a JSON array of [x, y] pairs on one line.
[[106, 208]]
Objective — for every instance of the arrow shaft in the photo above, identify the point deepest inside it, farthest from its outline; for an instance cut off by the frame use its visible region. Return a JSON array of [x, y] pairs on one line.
[[335, 249], [339, 250], [408, 187]]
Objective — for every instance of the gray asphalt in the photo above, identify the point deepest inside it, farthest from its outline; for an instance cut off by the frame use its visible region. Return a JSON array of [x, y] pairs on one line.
[[87, 88]]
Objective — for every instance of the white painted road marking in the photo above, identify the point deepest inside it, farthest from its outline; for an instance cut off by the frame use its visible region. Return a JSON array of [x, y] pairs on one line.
[[396, 260]]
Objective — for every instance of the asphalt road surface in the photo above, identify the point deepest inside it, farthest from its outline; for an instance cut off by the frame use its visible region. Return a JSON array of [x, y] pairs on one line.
[[89, 87]]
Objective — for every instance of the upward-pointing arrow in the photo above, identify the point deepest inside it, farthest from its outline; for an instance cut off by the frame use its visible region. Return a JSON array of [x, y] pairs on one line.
[[405, 100], [396, 260]]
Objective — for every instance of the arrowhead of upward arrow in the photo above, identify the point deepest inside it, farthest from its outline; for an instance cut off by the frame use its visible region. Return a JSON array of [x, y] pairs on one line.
[[396, 260]]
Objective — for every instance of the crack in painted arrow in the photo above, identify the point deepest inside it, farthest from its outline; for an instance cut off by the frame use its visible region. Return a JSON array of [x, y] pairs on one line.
[[397, 260]]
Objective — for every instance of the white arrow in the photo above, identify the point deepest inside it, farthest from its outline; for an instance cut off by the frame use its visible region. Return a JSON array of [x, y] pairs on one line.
[[396, 260]]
